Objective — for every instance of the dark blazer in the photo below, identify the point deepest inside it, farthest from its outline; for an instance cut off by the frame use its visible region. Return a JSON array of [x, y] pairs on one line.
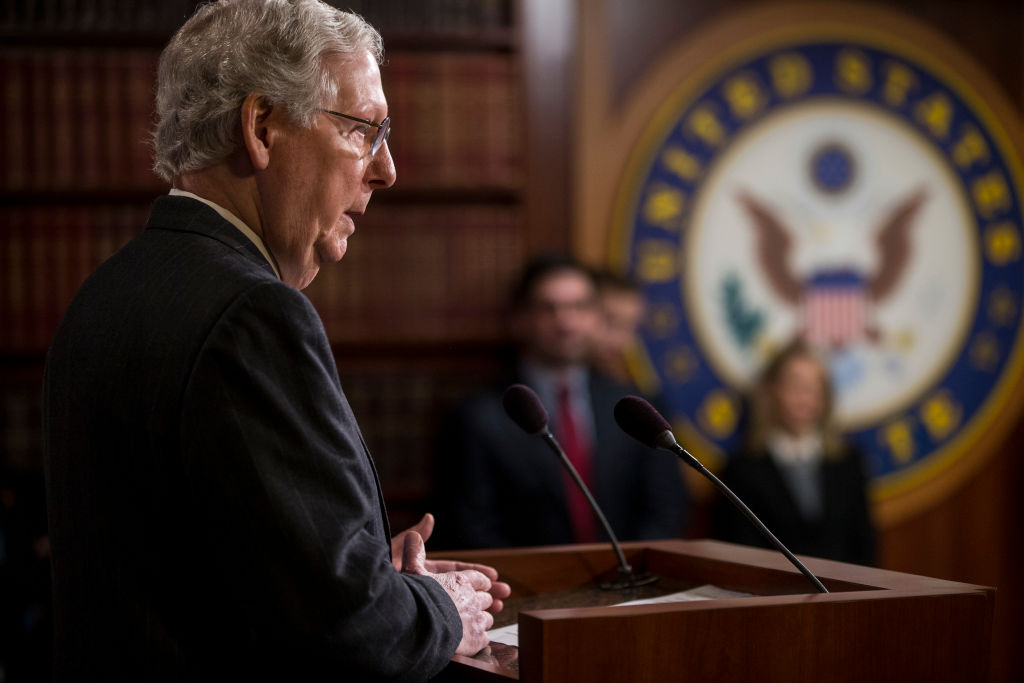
[[844, 531], [499, 486], [214, 513]]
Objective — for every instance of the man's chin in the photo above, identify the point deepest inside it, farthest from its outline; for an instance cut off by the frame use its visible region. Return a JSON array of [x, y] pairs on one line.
[[327, 252], [305, 279]]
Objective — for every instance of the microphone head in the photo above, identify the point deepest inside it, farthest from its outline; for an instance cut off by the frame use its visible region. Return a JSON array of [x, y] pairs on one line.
[[525, 409], [640, 420]]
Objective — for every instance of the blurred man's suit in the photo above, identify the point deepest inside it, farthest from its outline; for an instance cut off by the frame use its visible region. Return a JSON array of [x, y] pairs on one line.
[[511, 486]]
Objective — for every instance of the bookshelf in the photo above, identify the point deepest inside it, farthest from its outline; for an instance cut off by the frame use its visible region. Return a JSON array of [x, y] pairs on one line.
[[413, 310]]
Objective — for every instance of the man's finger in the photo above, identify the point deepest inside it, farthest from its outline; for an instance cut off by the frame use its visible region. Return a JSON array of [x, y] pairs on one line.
[[490, 572], [414, 554], [500, 589], [424, 527], [477, 580]]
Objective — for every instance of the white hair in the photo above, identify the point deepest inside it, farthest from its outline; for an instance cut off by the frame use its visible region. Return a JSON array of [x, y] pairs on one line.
[[230, 49]]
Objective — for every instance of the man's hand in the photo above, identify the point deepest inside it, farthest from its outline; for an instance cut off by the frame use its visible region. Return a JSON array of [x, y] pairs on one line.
[[468, 589], [499, 590]]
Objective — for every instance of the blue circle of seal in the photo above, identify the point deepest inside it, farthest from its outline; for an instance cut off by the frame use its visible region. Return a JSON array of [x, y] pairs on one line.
[[973, 387]]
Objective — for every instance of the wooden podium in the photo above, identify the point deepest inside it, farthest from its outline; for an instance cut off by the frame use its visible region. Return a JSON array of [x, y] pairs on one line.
[[874, 625]]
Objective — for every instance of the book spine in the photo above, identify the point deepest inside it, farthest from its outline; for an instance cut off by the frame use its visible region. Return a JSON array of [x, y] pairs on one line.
[[112, 149], [13, 120], [140, 81], [14, 295], [90, 121], [37, 271], [40, 117], [64, 153], [61, 281]]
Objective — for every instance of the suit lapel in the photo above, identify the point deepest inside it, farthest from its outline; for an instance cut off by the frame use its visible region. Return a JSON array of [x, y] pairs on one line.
[[783, 497]]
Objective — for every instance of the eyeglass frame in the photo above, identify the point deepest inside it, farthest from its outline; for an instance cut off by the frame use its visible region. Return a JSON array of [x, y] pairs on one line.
[[383, 128]]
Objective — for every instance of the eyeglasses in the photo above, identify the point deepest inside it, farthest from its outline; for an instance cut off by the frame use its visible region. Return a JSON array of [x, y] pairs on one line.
[[383, 128]]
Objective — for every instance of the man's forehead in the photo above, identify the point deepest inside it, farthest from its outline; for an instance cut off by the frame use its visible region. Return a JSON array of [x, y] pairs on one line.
[[566, 285], [358, 79]]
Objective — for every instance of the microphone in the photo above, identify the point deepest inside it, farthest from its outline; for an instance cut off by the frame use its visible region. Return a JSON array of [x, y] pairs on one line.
[[640, 420], [522, 405]]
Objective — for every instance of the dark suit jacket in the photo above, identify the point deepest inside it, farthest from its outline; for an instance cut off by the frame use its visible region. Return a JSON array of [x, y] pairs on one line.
[[844, 532], [214, 513], [501, 487]]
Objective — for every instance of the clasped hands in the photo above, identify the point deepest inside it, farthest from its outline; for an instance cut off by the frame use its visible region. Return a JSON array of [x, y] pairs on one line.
[[474, 588]]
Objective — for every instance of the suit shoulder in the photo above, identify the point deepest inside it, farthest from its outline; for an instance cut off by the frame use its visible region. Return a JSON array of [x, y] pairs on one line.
[[483, 404]]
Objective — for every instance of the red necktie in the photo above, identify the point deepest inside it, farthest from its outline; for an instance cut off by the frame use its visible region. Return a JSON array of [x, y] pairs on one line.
[[575, 446]]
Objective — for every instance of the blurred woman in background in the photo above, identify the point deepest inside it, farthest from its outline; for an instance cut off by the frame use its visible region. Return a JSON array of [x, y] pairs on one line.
[[795, 472]]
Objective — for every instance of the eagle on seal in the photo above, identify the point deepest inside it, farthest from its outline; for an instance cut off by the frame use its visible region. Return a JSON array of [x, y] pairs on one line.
[[836, 303]]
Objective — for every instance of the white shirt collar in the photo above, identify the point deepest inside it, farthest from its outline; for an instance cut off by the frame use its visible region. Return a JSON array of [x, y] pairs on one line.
[[788, 449], [235, 221]]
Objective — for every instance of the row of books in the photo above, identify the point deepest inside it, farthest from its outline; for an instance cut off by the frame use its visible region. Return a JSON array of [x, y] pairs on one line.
[[86, 16], [411, 273], [21, 428], [129, 16], [400, 407], [47, 253], [81, 120], [77, 120], [456, 119], [441, 16], [421, 274]]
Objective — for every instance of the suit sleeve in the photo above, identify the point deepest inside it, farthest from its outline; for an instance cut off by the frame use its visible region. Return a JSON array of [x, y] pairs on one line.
[[275, 462]]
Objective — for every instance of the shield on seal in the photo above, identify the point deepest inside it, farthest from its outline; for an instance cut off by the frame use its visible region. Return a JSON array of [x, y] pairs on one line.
[[835, 310]]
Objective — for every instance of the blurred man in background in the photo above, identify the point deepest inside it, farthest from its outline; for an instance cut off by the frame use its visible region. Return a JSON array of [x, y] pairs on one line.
[[621, 306], [499, 486]]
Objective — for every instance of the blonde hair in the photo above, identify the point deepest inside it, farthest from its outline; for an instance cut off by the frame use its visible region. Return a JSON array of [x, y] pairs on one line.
[[230, 49], [764, 405]]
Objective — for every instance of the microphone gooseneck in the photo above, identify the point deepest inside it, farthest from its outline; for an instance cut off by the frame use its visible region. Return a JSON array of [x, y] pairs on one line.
[[525, 409], [639, 419]]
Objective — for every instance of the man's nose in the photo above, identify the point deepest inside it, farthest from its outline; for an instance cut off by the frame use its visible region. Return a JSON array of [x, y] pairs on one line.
[[381, 171]]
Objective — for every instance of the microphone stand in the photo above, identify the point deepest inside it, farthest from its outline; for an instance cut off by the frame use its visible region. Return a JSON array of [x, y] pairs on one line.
[[740, 505], [626, 576]]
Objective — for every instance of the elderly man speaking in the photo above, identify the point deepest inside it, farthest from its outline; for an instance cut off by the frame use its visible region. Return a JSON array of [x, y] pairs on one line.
[[214, 512]]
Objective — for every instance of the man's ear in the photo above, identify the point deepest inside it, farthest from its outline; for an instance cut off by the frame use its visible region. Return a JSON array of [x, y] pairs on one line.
[[257, 130]]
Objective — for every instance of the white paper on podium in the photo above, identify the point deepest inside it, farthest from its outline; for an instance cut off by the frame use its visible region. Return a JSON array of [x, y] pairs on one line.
[[509, 635]]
